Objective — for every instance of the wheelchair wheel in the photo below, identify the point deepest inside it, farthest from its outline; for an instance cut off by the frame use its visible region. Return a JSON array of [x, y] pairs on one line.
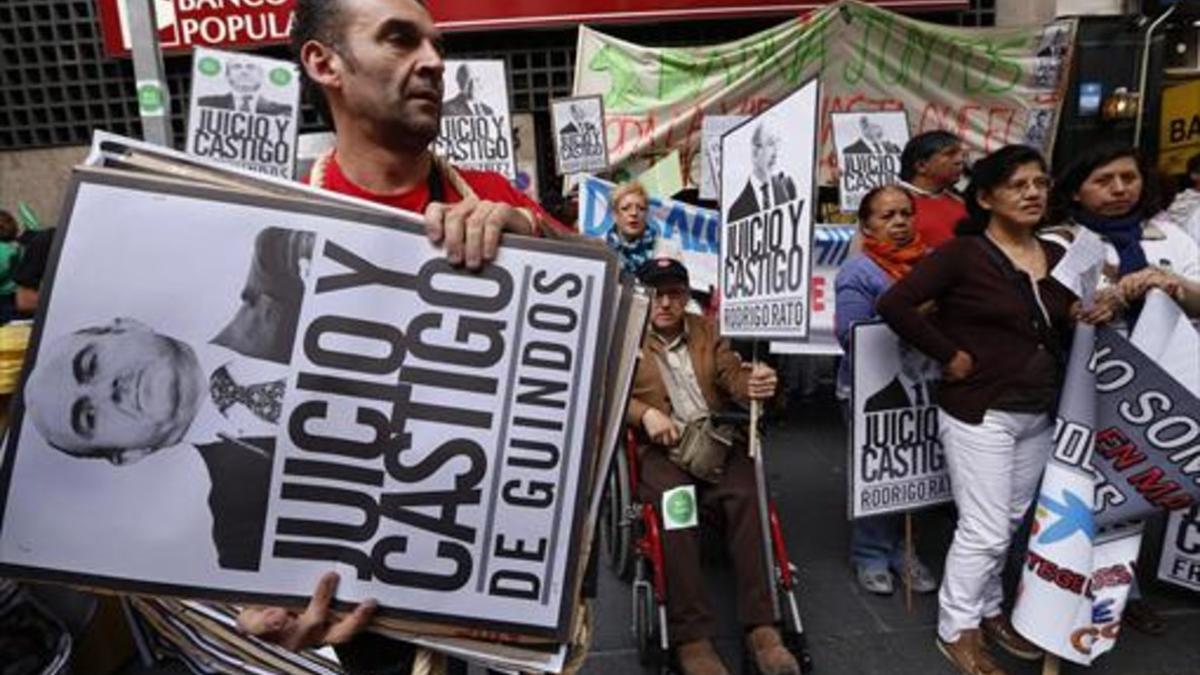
[[617, 525]]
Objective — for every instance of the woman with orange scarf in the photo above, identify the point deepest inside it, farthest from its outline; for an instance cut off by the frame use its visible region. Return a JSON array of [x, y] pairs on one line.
[[890, 248]]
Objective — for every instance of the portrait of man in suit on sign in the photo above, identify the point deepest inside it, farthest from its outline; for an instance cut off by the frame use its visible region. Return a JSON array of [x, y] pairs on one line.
[[245, 79], [871, 140], [123, 391], [465, 102], [767, 186], [914, 385]]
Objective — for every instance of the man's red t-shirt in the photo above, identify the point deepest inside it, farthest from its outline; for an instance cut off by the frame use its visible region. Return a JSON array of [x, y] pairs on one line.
[[936, 216], [486, 184]]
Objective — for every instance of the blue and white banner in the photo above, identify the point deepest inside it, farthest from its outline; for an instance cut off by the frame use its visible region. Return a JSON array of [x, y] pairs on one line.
[[1123, 449], [686, 232], [831, 247]]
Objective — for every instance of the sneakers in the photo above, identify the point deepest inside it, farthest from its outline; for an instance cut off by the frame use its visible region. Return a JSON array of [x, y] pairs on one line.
[[875, 580], [770, 656], [968, 654], [879, 580], [923, 580], [699, 658], [999, 629]]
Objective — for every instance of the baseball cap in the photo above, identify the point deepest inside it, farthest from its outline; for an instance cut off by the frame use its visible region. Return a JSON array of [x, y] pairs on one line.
[[657, 271]]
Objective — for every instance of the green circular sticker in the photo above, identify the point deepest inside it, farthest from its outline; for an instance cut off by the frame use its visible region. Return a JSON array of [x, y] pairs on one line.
[[281, 77], [209, 66], [680, 507], [150, 98]]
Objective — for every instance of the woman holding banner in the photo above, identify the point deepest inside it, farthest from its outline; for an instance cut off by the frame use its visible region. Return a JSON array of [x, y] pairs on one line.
[[1001, 332], [1105, 191], [890, 249], [630, 238]]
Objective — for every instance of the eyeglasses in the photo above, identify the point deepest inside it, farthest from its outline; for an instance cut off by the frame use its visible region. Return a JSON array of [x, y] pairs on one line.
[[1039, 184]]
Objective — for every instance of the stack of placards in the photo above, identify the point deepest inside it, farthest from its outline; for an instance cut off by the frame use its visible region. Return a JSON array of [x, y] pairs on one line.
[[237, 383]]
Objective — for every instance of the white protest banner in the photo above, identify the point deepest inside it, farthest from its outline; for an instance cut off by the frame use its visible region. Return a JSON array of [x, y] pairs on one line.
[[579, 144], [1119, 417], [712, 129], [244, 110], [831, 247], [1179, 563], [476, 126], [767, 200], [330, 393], [868, 152], [683, 231], [991, 86], [896, 458]]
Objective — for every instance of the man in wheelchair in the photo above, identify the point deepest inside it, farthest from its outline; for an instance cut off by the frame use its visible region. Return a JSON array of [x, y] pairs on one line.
[[686, 374]]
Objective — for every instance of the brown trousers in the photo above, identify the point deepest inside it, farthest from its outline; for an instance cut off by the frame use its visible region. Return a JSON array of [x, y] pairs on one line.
[[731, 503]]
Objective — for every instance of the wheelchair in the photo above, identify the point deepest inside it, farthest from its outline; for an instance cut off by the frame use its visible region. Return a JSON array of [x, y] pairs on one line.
[[632, 543]]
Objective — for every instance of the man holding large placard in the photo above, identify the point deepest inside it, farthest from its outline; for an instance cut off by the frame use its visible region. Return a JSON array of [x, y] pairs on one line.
[[377, 70]]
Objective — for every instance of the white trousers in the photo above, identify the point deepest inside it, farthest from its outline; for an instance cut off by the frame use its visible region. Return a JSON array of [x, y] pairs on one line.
[[994, 470]]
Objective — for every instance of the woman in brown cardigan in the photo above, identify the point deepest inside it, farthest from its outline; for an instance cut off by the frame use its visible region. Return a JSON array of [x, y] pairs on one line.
[[1000, 331]]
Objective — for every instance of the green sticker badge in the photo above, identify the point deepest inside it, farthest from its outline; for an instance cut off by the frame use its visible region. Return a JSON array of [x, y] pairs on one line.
[[150, 98], [281, 77], [209, 66], [679, 508]]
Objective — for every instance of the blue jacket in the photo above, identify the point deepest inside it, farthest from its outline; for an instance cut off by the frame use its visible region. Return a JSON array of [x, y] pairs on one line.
[[858, 285]]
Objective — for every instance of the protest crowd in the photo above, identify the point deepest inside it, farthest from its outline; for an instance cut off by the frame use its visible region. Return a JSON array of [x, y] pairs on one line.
[[446, 408]]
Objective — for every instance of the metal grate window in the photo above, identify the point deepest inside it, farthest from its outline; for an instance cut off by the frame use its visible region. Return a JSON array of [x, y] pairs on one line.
[[56, 84]]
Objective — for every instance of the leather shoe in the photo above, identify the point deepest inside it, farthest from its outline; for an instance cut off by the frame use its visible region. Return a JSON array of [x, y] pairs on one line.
[[699, 658], [999, 629], [771, 657], [968, 654]]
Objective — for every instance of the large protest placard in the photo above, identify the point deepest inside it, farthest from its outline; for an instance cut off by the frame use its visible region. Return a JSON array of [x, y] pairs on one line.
[[767, 204], [228, 393], [579, 144], [476, 128], [991, 86], [897, 462], [868, 152], [244, 110], [1115, 461], [1179, 563], [683, 231]]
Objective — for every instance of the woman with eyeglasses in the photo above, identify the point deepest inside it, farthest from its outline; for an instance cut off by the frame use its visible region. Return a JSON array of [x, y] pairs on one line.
[[630, 237], [1001, 331]]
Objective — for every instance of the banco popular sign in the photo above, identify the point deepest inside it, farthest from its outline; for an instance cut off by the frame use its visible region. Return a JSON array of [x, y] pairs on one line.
[[183, 24]]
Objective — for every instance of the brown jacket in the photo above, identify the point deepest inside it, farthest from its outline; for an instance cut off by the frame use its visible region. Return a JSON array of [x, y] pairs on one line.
[[718, 369]]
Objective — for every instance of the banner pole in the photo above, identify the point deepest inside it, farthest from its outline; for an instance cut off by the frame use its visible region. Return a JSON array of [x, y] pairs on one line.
[[760, 483], [909, 557], [1050, 665]]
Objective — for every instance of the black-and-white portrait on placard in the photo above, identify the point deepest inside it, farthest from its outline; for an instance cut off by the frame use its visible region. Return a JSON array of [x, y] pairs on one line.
[[242, 391], [896, 457], [476, 127], [767, 167], [121, 390], [868, 152], [579, 140], [244, 111], [768, 183]]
